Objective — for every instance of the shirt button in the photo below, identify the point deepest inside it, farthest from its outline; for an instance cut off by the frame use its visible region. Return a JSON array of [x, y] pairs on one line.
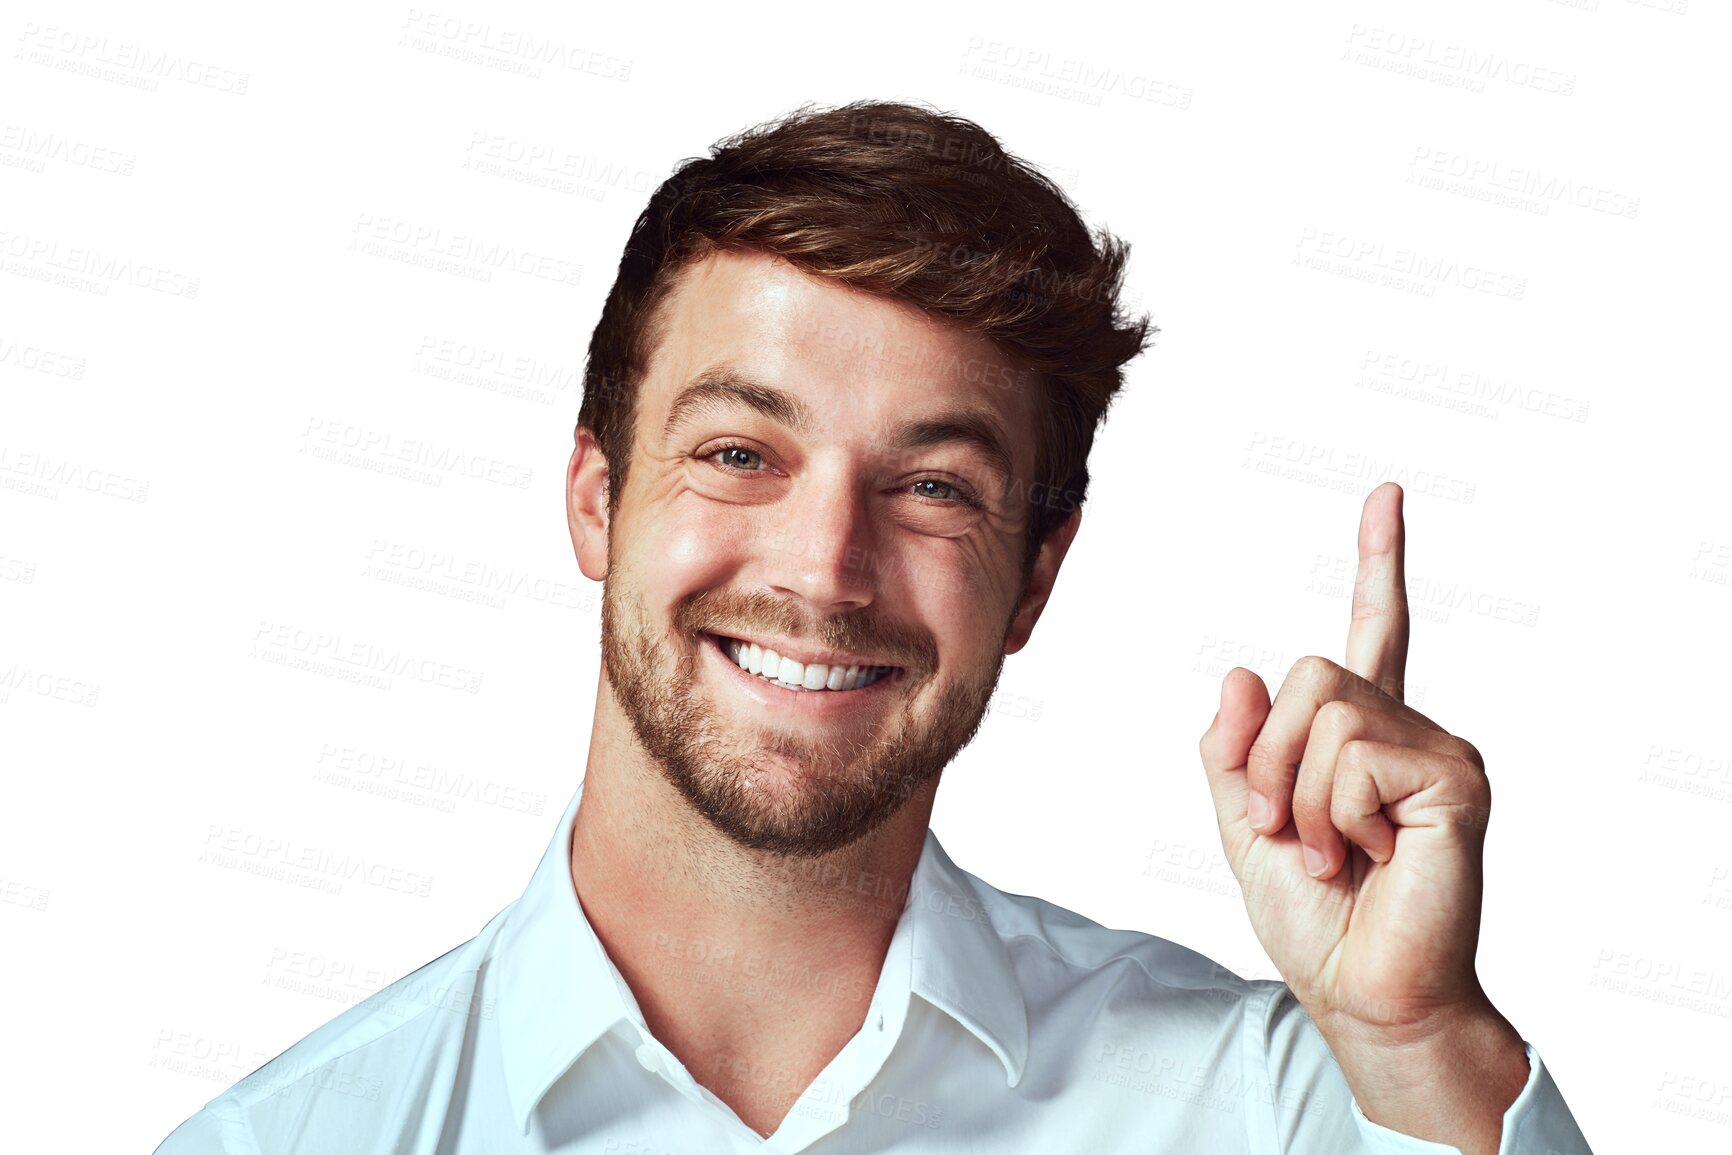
[[881, 1022], [646, 1054]]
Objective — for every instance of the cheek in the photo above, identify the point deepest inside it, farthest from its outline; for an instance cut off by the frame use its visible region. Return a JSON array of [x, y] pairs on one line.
[[962, 606], [694, 546], [964, 578]]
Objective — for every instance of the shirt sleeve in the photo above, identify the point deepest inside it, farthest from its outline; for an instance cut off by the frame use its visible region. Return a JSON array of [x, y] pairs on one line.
[[1537, 1123], [1303, 1072]]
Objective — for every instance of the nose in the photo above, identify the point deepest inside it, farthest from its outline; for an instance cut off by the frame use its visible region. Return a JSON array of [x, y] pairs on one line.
[[824, 550]]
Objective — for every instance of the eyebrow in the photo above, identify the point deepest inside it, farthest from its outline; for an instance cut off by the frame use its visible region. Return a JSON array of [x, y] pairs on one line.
[[723, 387], [726, 387]]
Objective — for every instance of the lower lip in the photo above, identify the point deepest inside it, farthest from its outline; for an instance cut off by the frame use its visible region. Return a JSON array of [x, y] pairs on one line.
[[802, 703]]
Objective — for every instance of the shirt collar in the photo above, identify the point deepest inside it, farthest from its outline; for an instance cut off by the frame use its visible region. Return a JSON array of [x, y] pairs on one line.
[[559, 992], [961, 965]]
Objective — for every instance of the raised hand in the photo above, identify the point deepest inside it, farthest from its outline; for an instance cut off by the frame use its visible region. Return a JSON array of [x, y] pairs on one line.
[[1355, 824]]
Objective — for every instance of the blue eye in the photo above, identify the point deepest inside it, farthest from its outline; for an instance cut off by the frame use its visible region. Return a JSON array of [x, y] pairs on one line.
[[728, 458], [739, 449], [932, 481], [959, 495]]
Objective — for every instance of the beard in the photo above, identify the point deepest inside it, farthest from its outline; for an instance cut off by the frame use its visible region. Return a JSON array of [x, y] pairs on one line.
[[726, 765]]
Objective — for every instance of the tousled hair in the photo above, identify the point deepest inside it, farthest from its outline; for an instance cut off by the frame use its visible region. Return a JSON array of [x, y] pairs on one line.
[[905, 203]]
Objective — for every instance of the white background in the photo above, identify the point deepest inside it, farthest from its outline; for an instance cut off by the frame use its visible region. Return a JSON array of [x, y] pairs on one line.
[[165, 520]]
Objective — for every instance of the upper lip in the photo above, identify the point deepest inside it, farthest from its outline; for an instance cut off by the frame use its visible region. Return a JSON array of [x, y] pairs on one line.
[[804, 657]]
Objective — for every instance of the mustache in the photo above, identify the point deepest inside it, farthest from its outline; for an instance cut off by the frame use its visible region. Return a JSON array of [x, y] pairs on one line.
[[753, 614]]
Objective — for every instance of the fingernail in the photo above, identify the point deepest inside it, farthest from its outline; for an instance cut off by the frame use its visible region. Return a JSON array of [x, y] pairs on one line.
[[1259, 811], [1314, 861]]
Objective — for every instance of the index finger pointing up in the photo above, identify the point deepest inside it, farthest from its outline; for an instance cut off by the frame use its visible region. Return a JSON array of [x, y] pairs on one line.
[[1377, 636]]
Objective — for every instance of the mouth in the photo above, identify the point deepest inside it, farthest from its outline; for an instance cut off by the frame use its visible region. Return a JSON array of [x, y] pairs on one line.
[[764, 665]]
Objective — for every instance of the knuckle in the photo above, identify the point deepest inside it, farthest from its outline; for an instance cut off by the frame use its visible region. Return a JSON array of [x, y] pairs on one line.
[[1354, 757], [1206, 745], [1308, 810], [1262, 759], [1478, 784], [1344, 808], [1338, 716], [1311, 670]]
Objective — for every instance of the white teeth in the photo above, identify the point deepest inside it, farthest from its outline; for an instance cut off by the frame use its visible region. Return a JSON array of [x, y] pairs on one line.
[[787, 672]]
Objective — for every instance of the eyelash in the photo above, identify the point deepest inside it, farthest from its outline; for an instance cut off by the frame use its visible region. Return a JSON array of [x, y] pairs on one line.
[[964, 495]]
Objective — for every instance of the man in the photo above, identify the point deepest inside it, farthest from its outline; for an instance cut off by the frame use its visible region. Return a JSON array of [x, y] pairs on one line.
[[830, 458]]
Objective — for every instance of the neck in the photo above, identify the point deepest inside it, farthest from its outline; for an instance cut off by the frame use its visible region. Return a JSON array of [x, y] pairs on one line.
[[752, 968]]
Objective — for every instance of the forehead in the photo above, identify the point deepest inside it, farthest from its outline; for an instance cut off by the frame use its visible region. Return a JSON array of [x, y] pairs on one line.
[[860, 361]]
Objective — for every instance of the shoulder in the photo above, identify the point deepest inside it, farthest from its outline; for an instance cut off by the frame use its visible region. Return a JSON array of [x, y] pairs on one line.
[[404, 1032], [1059, 953]]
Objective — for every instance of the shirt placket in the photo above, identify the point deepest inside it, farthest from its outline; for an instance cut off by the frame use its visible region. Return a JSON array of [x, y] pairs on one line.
[[827, 1103]]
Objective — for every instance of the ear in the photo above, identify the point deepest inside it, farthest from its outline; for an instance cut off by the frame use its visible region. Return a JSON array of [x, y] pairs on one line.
[[1040, 581], [586, 482]]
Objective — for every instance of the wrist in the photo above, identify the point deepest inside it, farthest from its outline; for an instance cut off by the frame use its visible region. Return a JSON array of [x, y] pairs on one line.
[[1471, 1020], [1448, 1078]]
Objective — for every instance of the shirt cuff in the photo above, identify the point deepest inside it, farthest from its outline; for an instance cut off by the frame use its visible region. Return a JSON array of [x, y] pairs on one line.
[[1537, 1122]]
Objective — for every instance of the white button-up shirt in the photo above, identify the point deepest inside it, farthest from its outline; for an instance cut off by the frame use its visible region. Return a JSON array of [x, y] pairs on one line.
[[999, 1023]]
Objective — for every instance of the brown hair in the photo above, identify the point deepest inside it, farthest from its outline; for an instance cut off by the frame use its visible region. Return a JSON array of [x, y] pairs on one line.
[[909, 204]]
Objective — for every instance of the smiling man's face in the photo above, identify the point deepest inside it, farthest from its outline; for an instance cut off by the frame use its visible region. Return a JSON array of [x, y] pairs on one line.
[[813, 471]]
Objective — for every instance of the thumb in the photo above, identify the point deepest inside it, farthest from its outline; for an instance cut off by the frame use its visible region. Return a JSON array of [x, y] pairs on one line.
[[1226, 745]]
